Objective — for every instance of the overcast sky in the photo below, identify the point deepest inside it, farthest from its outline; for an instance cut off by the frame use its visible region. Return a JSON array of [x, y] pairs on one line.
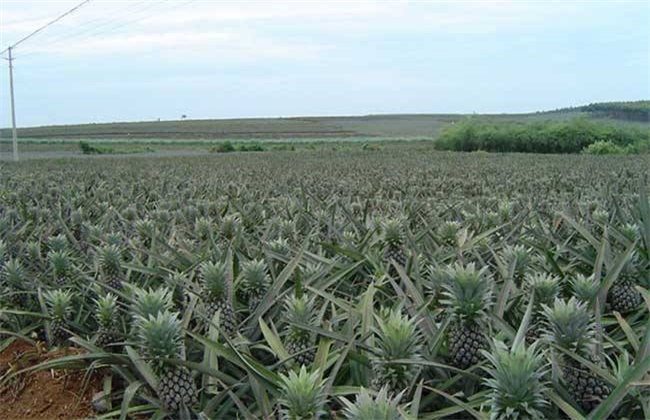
[[142, 60]]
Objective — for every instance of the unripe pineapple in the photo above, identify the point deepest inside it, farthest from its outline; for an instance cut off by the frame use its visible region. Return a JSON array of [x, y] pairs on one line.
[[108, 334], [467, 295], [300, 341], [160, 338], [255, 282], [393, 243], [571, 326], [60, 263], [301, 395], [543, 289], [110, 261], [517, 382], [58, 243], [623, 296], [397, 338], [367, 407], [216, 293], [60, 309]]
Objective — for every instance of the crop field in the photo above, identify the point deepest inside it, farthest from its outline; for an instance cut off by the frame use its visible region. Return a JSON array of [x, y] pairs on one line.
[[400, 283]]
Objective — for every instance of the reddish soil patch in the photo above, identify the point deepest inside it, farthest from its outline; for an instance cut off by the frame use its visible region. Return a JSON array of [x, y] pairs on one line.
[[48, 394]]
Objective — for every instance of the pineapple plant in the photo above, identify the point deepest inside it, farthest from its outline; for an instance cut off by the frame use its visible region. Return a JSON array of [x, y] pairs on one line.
[[160, 337], [300, 310], [467, 295], [110, 262], [255, 282], [107, 317], [516, 382], [398, 338], [301, 395], [216, 293], [393, 245], [59, 307], [61, 267], [570, 326], [366, 407]]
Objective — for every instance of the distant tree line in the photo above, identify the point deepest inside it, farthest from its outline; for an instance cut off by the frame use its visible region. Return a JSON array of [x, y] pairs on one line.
[[632, 111], [565, 136]]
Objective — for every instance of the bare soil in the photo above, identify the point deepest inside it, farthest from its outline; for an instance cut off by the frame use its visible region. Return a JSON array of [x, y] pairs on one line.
[[47, 394]]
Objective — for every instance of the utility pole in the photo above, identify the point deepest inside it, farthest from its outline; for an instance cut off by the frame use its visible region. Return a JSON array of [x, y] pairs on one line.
[[13, 106]]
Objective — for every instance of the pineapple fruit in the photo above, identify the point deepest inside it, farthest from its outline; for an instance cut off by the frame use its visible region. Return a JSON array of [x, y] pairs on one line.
[[467, 295], [216, 293], [61, 267], [110, 261], [60, 309], [255, 282], [160, 337], [543, 289], [623, 296], [108, 334], [393, 245], [571, 327], [299, 341]]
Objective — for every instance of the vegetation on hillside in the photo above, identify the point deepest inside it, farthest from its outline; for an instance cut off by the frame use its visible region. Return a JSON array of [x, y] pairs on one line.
[[633, 111], [569, 136]]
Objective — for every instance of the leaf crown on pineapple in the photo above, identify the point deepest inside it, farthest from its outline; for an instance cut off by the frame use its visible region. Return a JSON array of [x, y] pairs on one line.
[[60, 262], [150, 302], [383, 406], [570, 325], [467, 291], [110, 259], [214, 279], [58, 302], [543, 287], [301, 394], [254, 274], [106, 309], [393, 231], [398, 335], [160, 336], [516, 381]]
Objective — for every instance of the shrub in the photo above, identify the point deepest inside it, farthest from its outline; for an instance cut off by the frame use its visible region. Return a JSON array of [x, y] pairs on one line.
[[570, 136], [225, 147], [604, 148]]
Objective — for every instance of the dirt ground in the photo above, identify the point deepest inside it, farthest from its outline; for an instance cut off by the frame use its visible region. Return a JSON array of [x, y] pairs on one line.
[[48, 394]]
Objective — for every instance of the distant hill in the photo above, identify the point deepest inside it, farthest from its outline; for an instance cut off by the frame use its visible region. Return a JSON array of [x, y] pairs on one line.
[[629, 111], [393, 126]]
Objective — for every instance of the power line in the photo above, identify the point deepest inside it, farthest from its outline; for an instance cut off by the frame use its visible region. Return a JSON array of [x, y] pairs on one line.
[[113, 25], [92, 25], [46, 25]]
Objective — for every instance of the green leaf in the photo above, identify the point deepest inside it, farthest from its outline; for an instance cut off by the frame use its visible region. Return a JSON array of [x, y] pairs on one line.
[[129, 393]]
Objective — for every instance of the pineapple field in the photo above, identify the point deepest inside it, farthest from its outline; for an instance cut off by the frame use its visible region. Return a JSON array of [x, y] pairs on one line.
[[402, 283]]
